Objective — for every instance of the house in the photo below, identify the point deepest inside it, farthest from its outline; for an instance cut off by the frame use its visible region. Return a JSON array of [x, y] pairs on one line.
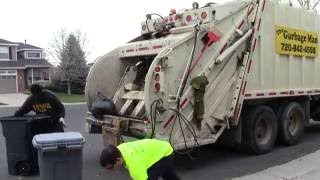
[[21, 65]]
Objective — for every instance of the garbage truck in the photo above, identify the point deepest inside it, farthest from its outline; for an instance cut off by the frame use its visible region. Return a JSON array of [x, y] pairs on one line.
[[243, 72]]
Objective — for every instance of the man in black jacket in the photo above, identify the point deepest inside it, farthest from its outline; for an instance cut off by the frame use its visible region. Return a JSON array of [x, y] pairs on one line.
[[46, 103]]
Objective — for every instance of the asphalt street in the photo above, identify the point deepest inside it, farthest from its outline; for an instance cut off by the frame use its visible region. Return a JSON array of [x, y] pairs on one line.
[[211, 162]]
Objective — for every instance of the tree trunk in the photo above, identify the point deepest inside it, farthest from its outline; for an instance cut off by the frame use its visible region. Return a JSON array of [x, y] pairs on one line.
[[69, 87]]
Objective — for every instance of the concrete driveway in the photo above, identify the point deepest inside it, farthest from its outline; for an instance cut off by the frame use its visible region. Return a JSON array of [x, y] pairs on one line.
[[13, 100]]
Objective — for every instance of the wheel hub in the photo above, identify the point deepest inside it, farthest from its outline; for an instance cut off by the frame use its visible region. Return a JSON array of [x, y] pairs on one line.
[[263, 131], [293, 123]]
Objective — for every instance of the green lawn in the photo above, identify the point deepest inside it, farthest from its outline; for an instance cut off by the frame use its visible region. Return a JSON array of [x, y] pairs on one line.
[[64, 97], [70, 98]]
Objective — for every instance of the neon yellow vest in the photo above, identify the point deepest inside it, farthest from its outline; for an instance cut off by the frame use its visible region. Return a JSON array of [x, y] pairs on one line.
[[142, 154]]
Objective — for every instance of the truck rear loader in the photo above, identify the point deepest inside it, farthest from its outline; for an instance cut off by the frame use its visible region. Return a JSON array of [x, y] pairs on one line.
[[243, 72]]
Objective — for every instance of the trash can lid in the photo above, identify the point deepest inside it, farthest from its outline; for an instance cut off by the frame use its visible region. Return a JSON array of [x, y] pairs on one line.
[[24, 118], [55, 139]]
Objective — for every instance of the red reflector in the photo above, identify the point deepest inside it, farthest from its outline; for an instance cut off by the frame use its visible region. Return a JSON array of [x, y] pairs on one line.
[[157, 87], [157, 77], [183, 102], [204, 15], [188, 18], [129, 50], [157, 69], [157, 47]]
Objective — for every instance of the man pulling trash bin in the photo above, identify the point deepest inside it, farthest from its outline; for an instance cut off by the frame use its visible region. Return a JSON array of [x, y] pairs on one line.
[[46, 103], [145, 159]]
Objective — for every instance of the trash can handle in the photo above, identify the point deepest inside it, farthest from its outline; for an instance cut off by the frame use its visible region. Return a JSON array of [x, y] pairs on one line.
[[49, 148], [62, 146], [74, 146]]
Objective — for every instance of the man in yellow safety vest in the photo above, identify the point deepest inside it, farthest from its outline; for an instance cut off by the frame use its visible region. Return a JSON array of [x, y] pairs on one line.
[[145, 159]]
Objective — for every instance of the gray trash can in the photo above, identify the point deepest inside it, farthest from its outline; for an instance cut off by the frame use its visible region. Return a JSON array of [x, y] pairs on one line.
[[59, 155]]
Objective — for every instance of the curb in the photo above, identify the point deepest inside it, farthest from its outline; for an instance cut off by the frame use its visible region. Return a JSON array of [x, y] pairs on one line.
[[8, 106], [305, 167]]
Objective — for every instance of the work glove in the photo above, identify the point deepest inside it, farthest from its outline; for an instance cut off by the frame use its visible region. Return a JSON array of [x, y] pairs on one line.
[[61, 120]]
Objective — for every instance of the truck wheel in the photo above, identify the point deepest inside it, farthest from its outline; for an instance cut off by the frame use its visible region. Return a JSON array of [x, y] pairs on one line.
[[291, 123], [23, 168], [259, 129]]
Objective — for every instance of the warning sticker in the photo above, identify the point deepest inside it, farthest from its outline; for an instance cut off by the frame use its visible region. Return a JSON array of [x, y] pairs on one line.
[[296, 42]]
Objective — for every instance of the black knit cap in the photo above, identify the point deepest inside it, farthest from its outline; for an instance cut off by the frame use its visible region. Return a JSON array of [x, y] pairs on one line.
[[36, 89]]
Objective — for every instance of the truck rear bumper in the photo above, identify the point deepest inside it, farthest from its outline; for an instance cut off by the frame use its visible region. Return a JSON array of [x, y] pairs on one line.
[[113, 127]]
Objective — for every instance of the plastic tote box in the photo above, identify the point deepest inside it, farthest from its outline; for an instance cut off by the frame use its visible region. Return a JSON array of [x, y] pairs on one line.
[[18, 133], [59, 155]]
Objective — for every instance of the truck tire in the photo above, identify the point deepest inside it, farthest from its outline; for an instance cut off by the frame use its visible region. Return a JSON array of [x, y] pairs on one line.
[[291, 123], [259, 129]]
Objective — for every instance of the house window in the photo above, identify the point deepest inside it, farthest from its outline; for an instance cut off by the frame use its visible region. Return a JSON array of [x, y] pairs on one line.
[[4, 53], [35, 55], [8, 72], [12, 72]]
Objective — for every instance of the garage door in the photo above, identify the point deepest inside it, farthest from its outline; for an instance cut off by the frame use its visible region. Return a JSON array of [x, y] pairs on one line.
[[8, 82]]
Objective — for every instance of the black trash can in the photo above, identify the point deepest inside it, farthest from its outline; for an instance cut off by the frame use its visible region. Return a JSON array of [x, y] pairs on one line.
[[18, 133]]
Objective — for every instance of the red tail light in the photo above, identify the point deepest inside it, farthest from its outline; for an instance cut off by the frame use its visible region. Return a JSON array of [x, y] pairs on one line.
[[157, 86], [157, 69], [188, 18], [204, 15]]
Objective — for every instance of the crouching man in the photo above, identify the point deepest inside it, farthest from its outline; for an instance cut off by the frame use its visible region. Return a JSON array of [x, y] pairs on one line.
[[145, 159]]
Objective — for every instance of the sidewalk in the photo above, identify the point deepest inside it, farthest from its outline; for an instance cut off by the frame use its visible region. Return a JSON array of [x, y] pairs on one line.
[[12, 100], [17, 99], [304, 168]]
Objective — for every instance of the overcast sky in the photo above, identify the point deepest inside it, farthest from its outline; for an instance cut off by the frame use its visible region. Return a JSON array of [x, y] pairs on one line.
[[106, 23]]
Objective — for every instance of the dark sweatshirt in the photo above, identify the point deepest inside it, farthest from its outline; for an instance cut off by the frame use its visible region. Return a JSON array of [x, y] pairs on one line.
[[45, 103]]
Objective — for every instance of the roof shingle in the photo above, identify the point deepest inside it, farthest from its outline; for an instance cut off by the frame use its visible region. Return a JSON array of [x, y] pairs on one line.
[[24, 63], [27, 46], [3, 41], [12, 64], [36, 62]]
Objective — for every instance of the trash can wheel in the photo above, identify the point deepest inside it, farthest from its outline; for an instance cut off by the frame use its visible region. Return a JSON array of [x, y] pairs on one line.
[[23, 168]]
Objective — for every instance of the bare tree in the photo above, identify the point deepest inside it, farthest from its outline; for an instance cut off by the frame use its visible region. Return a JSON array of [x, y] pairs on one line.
[[308, 4], [69, 49]]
